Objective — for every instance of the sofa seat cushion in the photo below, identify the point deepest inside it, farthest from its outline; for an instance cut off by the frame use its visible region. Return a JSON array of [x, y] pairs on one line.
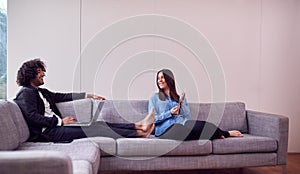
[[83, 150], [81, 167], [246, 144], [149, 147], [106, 145], [34, 162]]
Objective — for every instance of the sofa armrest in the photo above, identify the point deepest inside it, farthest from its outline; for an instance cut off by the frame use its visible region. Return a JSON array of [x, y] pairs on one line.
[[273, 126], [27, 162]]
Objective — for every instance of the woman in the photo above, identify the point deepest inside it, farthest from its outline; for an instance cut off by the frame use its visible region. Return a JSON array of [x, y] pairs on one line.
[[172, 115]]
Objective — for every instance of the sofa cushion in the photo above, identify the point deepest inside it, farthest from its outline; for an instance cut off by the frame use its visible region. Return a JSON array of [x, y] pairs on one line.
[[123, 111], [81, 167], [34, 162], [106, 145], [9, 137], [131, 147], [227, 116], [19, 121], [79, 109], [248, 143], [81, 150]]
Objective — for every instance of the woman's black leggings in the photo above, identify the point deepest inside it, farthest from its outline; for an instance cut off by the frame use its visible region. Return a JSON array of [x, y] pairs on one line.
[[194, 130]]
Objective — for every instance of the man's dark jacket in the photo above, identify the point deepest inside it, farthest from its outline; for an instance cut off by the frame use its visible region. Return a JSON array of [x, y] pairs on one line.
[[33, 108]]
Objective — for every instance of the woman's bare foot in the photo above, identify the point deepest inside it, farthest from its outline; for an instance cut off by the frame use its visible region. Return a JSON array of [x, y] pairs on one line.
[[235, 133], [150, 131], [147, 133]]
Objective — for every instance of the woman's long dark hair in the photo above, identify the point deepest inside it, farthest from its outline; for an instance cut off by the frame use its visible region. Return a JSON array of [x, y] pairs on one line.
[[28, 71], [169, 78]]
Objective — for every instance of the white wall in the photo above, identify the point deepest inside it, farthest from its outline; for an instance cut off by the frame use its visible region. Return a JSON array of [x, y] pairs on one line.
[[256, 42], [279, 83], [47, 29]]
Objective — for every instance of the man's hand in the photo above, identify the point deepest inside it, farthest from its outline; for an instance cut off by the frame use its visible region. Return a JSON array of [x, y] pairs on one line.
[[175, 110], [97, 97], [68, 119]]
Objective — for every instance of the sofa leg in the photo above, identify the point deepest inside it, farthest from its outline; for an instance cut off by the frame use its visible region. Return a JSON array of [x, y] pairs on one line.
[[283, 169]]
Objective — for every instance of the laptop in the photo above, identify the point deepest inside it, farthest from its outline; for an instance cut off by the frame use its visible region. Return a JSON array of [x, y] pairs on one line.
[[94, 118]]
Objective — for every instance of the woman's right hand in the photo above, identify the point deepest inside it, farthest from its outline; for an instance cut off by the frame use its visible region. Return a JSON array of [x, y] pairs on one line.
[[175, 110]]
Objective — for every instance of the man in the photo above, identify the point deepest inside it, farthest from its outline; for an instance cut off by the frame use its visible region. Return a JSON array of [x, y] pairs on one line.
[[44, 119]]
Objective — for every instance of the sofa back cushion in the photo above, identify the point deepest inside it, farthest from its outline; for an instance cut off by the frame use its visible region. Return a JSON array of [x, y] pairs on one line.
[[19, 121], [9, 138], [227, 116], [123, 111]]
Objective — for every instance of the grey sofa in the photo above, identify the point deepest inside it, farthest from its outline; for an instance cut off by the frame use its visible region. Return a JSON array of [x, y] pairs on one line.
[[19, 156], [264, 143]]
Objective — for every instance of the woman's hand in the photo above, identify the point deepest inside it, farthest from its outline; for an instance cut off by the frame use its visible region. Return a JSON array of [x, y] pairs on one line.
[[68, 119], [93, 96], [175, 110]]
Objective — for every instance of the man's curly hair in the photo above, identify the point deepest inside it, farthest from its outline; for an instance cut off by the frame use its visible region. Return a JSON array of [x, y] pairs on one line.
[[28, 71]]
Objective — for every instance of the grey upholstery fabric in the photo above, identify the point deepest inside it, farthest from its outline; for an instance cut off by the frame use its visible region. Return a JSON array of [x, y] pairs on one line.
[[131, 147], [29, 162], [82, 167], [227, 116], [9, 137], [122, 111], [106, 145], [265, 143], [46, 157], [82, 150], [248, 143], [273, 126], [188, 162], [19, 121], [79, 109]]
